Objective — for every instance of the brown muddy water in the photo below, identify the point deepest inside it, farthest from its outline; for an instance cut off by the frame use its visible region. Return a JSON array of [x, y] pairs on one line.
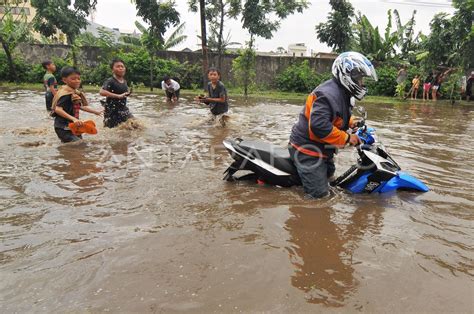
[[142, 221]]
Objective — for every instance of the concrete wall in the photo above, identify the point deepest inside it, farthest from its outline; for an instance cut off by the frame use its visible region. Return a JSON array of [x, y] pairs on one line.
[[37, 53], [267, 66]]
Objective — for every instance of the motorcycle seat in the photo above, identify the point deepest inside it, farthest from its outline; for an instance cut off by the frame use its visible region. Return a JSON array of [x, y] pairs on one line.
[[278, 157]]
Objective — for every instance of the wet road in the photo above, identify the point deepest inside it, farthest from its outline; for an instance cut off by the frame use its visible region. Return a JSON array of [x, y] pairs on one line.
[[142, 221]]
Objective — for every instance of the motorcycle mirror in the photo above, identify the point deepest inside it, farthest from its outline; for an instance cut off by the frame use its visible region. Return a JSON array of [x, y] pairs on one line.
[[361, 111]]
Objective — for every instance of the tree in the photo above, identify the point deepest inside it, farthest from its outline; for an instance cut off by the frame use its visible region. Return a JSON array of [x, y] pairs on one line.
[[175, 38], [463, 23], [281, 50], [217, 11], [369, 42], [406, 39], [244, 67], [160, 16], [337, 31], [451, 40], [13, 30], [402, 40], [106, 41], [262, 18], [54, 15], [205, 58], [202, 14], [213, 42]]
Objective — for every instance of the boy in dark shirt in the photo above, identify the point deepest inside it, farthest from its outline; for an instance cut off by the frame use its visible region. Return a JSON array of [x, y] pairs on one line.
[[66, 105], [116, 90], [217, 99], [50, 83]]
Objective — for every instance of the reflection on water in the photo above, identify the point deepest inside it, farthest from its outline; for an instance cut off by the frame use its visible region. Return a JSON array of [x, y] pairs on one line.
[[139, 219], [322, 252]]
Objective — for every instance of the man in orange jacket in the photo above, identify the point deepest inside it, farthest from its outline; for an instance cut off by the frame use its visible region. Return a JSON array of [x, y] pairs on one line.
[[323, 123]]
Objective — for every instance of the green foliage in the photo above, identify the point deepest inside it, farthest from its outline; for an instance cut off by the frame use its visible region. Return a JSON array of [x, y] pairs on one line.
[[451, 87], [386, 84], [337, 31], [105, 41], [175, 38], [376, 47], [262, 18], [136, 61], [54, 15], [160, 15], [217, 11], [451, 41], [13, 30], [400, 89], [28, 73], [244, 68], [369, 42], [299, 77], [138, 68]]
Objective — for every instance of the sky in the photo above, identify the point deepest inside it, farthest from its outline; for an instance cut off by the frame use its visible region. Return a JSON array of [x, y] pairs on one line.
[[297, 28]]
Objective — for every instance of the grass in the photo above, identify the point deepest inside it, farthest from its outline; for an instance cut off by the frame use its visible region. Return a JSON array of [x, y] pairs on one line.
[[255, 94]]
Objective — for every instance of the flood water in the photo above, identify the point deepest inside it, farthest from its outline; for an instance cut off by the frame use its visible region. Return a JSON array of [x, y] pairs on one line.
[[142, 220]]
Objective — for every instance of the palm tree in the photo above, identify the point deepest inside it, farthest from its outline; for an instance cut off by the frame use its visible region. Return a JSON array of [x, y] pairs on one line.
[[152, 43]]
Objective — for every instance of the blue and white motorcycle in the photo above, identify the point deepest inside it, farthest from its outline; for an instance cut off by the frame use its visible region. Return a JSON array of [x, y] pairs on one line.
[[375, 170]]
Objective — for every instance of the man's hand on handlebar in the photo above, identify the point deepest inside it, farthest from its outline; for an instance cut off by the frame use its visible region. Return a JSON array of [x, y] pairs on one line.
[[354, 140], [357, 123]]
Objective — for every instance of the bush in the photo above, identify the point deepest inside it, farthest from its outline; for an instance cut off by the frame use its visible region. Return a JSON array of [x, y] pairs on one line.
[[451, 87], [28, 73], [386, 84], [299, 77], [138, 70]]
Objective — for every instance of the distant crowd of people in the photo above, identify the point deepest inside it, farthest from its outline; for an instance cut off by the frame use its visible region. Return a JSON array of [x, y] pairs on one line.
[[432, 84]]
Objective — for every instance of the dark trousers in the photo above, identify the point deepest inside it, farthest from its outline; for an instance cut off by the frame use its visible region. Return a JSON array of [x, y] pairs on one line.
[[49, 100], [115, 114], [314, 173], [170, 95], [66, 136]]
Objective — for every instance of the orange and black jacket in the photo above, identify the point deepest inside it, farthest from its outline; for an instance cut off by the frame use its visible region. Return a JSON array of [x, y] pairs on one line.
[[323, 122]]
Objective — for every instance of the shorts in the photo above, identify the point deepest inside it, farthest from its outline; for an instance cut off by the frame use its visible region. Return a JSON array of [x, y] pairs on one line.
[[66, 136], [426, 87], [435, 87]]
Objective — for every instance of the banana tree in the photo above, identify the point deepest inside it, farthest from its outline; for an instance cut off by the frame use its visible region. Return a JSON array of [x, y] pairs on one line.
[[175, 38], [401, 40], [369, 41], [13, 30], [408, 42]]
